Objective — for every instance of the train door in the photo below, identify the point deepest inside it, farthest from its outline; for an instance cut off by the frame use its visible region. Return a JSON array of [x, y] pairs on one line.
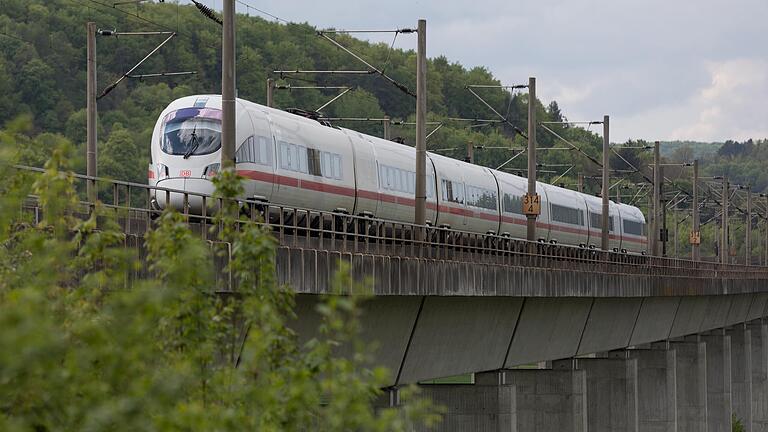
[[366, 173], [543, 225], [259, 151], [619, 229]]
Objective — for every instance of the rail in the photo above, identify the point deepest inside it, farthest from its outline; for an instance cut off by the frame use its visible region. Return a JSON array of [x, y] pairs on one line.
[[337, 231]]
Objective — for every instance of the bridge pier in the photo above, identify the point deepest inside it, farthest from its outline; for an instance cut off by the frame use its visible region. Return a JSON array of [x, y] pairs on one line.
[[545, 399], [516, 400], [656, 389], [718, 381], [759, 333], [691, 373], [741, 374], [611, 391], [484, 407]]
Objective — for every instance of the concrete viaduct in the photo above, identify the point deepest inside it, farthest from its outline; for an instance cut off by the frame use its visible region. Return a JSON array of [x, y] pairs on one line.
[[558, 338]]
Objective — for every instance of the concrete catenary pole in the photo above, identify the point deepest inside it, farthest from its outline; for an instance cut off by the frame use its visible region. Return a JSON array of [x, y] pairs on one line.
[[386, 124], [531, 218], [674, 238], [696, 235], [655, 225], [470, 153], [580, 184], [724, 249], [663, 205], [90, 147], [605, 220], [270, 92], [649, 234], [421, 129], [748, 229], [228, 87]]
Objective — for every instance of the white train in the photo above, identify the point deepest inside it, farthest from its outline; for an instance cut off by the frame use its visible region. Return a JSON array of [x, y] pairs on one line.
[[295, 161]]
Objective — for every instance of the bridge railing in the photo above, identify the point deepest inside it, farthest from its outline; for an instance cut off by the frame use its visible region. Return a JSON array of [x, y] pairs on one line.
[[137, 205]]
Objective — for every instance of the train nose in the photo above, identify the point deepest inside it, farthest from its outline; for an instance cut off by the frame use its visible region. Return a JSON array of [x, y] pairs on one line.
[[193, 188]]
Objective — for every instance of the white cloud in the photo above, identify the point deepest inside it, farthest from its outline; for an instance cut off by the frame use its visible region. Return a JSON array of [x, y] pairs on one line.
[[730, 106], [688, 69]]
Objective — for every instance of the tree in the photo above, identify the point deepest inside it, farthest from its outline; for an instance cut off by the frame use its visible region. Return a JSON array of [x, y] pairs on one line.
[[119, 159], [87, 344]]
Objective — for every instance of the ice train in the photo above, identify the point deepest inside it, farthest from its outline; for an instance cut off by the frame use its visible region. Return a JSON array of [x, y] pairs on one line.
[[295, 161]]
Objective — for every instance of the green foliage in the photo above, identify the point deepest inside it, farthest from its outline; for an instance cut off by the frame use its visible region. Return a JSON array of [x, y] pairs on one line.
[[118, 157], [92, 338], [47, 79], [737, 425]]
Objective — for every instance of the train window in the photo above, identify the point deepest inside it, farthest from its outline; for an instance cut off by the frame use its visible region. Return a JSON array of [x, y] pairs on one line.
[[385, 177], [453, 191], [285, 155], [302, 157], [313, 162], [482, 198], [567, 215], [401, 180], [633, 227], [337, 173], [254, 150], [596, 221], [264, 151], [513, 204], [326, 164], [244, 153]]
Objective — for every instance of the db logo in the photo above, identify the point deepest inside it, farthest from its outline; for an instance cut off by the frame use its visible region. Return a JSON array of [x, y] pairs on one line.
[[185, 173]]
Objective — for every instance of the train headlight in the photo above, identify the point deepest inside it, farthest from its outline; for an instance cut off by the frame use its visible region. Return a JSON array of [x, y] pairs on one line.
[[211, 170], [162, 171]]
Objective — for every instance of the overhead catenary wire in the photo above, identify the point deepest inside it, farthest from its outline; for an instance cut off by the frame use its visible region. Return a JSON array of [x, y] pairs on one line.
[[261, 11], [334, 99], [402, 30], [329, 72], [563, 174], [160, 74], [8, 35], [138, 17], [397, 84], [130, 71], [595, 161], [498, 114], [511, 159]]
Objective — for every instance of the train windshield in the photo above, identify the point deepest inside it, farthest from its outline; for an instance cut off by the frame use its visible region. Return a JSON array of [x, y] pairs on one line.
[[192, 131]]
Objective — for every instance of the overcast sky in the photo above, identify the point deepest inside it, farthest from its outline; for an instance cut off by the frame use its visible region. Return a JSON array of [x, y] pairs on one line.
[[662, 69]]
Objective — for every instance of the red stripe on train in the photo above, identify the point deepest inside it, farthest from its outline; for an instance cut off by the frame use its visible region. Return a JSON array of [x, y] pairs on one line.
[[394, 199]]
